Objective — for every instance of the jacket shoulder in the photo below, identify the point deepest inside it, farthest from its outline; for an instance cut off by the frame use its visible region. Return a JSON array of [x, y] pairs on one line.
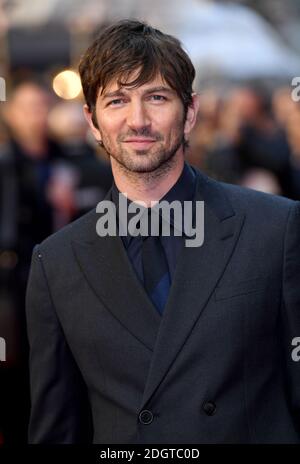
[[242, 197], [82, 229], [261, 210], [247, 198]]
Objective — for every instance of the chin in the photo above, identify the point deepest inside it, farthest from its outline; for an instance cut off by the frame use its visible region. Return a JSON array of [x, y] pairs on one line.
[[146, 164]]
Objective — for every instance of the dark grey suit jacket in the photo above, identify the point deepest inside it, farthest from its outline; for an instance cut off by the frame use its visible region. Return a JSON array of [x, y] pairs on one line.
[[217, 367]]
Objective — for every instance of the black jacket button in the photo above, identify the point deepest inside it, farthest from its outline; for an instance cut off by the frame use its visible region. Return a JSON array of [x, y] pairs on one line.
[[209, 408], [145, 417]]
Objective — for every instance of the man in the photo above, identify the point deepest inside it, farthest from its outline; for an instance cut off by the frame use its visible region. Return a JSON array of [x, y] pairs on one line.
[[142, 339]]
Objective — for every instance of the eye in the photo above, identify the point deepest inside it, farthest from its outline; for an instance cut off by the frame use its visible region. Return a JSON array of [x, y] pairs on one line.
[[116, 101], [157, 97]]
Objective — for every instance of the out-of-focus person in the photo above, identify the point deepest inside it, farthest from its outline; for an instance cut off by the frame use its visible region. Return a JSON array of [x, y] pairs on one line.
[[249, 137], [91, 168], [283, 106], [26, 160]]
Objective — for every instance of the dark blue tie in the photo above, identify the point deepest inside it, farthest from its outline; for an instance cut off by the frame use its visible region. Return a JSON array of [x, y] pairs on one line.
[[156, 272]]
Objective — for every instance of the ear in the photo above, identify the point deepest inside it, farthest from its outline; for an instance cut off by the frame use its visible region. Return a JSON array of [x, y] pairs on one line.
[[191, 115], [88, 117]]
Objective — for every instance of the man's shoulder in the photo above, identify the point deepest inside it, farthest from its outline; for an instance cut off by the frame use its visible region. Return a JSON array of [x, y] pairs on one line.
[[244, 199], [249, 198], [82, 229], [262, 210]]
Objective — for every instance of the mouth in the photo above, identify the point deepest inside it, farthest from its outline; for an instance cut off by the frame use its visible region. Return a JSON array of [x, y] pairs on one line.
[[140, 143]]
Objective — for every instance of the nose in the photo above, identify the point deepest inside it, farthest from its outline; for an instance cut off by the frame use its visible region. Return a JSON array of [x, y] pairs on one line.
[[137, 117]]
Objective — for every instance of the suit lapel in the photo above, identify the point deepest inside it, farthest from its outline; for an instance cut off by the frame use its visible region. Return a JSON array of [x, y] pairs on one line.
[[197, 274], [106, 267]]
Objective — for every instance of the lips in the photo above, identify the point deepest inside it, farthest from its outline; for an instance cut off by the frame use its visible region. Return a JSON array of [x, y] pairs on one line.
[[139, 141], [140, 144]]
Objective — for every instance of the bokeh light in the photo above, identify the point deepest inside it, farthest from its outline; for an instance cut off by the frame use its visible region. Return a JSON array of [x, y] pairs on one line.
[[67, 85]]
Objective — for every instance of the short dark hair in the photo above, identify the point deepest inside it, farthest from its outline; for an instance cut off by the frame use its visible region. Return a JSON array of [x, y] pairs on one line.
[[128, 45]]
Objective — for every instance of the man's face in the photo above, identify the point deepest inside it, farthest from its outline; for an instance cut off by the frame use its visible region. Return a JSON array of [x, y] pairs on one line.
[[141, 128]]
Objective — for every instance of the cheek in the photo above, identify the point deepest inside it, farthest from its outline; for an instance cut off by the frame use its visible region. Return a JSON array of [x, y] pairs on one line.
[[167, 123], [174, 128], [108, 131], [109, 125], [171, 120]]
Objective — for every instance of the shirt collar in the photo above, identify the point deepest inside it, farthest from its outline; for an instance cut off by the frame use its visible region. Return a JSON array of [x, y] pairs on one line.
[[182, 190]]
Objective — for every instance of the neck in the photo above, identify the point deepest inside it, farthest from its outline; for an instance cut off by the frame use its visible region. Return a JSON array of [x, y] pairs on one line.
[[147, 187]]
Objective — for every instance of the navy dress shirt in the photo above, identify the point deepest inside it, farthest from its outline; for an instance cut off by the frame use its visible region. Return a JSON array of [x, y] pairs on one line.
[[182, 190]]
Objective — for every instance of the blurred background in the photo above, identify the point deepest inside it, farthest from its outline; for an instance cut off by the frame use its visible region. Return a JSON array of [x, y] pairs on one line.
[[246, 55]]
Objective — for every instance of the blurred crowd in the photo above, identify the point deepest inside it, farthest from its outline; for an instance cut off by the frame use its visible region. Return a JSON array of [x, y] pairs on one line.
[[51, 172], [250, 137]]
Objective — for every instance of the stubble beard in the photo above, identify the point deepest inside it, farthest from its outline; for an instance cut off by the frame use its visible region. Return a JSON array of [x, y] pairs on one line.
[[146, 163]]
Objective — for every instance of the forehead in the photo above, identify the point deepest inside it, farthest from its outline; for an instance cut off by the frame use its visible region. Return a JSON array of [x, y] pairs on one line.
[[114, 86]]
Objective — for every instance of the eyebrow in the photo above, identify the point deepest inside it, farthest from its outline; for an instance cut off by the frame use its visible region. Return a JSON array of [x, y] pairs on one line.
[[120, 93]]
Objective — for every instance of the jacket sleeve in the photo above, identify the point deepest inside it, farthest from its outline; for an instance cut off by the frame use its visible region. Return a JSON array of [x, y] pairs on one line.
[[60, 411], [291, 311]]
